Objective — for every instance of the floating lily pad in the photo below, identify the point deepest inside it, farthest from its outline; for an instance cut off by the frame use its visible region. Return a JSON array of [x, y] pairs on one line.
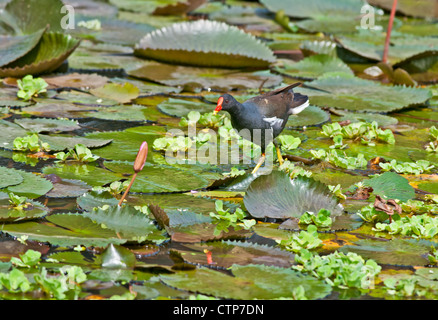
[[9, 177], [27, 16], [180, 108], [277, 196], [344, 91], [125, 143], [150, 179], [406, 252], [13, 48], [126, 221], [314, 8], [9, 131], [47, 56], [226, 253], [194, 79], [205, 43], [392, 186], [67, 188], [314, 66], [47, 125], [32, 185], [76, 80], [381, 119], [311, 116], [410, 7], [404, 48], [120, 93], [65, 230], [248, 282], [8, 213]]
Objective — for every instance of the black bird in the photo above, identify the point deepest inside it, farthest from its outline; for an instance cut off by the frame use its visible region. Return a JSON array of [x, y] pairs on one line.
[[264, 114]]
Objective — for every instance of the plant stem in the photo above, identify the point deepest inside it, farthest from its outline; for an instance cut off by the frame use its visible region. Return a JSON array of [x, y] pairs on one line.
[[127, 190], [388, 32]]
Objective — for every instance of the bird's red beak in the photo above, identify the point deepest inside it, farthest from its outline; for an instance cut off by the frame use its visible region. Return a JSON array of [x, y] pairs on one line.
[[219, 105]]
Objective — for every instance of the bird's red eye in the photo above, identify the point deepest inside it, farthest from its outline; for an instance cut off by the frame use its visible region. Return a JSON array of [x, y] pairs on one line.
[[226, 101]]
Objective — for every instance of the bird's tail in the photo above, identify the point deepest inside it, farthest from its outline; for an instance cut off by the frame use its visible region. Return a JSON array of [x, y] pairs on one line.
[[300, 103]]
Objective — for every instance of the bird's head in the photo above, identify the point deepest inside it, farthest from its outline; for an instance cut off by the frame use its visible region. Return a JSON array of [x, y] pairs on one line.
[[225, 102]]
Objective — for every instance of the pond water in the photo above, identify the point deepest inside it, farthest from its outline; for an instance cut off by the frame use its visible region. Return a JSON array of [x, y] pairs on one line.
[[350, 214]]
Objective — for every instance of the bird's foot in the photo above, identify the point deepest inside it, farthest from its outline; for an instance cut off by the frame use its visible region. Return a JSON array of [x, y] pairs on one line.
[[259, 164]]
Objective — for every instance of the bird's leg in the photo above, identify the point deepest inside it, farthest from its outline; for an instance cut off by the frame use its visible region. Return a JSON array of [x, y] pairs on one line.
[[259, 164], [279, 156]]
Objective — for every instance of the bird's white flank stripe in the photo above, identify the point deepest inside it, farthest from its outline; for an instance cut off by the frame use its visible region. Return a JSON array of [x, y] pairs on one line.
[[274, 121], [298, 109]]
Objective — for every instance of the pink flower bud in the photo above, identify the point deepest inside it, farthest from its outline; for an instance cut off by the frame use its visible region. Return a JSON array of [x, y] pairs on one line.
[[141, 157]]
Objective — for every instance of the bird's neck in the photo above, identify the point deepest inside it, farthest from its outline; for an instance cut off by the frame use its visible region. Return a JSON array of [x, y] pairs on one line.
[[236, 111]]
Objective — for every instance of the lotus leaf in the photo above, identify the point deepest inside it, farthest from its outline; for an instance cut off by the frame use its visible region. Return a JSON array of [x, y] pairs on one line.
[[205, 43], [277, 196]]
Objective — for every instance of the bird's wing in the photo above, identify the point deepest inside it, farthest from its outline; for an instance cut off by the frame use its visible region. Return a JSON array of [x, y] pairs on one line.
[[274, 103]]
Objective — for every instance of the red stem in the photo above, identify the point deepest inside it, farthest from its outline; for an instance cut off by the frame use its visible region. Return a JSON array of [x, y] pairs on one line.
[[388, 32], [127, 190]]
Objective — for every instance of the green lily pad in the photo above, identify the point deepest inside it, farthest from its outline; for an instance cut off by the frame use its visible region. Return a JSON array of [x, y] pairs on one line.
[[180, 108], [9, 131], [47, 125], [126, 221], [344, 91], [311, 116], [314, 66], [65, 230], [9, 177], [13, 48], [150, 179], [32, 185], [381, 119], [67, 188], [392, 186], [120, 93], [314, 8], [405, 252], [248, 282], [226, 253], [409, 7], [205, 43], [404, 48], [8, 213], [28, 16], [277, 196], [125, 144], [195, 79], [47, 56], [128, 112]]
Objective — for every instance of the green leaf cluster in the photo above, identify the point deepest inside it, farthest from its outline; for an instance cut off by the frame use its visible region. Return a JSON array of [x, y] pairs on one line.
[[63, 285], [338, 269], [367, 132], [17, 202], [433, 135], [209, 119], [31, 87], [303, 240], [370, 214], [321, 219], [79, 153], [224, 219], [420, 226], [30, 143], [342, 161], [415, 168], [289, 142], [293, 170], [174, 144]]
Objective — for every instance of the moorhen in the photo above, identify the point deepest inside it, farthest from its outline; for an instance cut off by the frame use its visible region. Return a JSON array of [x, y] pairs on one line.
[[268, 111]]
